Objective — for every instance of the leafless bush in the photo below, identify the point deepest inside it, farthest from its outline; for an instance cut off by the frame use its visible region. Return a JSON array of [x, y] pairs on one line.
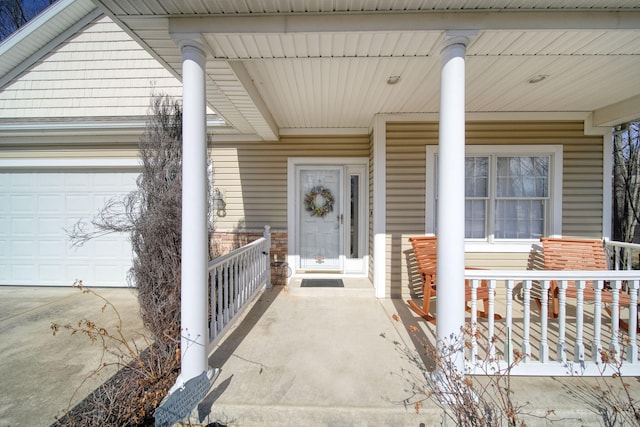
[[144, 374], [610, 397], [151, 215], [464, 399]]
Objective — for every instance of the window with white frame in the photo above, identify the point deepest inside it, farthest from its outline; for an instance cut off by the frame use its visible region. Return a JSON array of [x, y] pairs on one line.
[[512, 193]]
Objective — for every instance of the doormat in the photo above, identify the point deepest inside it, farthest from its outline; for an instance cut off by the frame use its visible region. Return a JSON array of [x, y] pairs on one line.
[[322, 283]]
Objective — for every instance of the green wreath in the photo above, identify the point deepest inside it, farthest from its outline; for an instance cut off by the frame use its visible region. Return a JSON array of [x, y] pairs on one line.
[[310, 201]]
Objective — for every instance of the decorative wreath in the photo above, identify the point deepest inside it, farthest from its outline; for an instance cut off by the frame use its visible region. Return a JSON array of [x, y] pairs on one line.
[[310, 201]]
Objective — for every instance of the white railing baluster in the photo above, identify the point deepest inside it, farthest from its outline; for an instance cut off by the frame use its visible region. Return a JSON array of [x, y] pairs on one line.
[[508, 351], [578, 348], [615, 316], [526, 321], [544, 321], [235, 280], [212, 305], [574, 334], [597, 321], [562, 321], [474, 321], [223, 274], [632, 347], [491, 320]]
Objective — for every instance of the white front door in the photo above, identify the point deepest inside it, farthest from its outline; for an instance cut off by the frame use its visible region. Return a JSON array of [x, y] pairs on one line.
[[321, 219]]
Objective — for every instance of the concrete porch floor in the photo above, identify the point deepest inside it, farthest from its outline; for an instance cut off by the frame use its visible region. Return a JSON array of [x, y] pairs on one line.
[[294, 360], [336, 360]]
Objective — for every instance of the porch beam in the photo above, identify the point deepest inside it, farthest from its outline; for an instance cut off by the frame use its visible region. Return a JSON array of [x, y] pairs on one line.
[[620, 112], [415, 21], [194, 333], [450, 211]]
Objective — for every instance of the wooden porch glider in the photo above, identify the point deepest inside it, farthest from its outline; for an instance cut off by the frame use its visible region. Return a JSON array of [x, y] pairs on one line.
[[425, 251], [578, 254]]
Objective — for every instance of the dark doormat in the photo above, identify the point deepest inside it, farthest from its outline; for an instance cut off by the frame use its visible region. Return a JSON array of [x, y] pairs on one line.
[[322, 283]]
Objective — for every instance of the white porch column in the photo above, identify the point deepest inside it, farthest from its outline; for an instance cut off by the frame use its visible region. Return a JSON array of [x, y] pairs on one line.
[[194, 330], [450, 270]]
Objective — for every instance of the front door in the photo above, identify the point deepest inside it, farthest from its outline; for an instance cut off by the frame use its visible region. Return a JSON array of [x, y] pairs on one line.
[[321, 219]]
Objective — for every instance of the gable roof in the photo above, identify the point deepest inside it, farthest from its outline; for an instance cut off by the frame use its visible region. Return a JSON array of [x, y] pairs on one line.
[[42, 34], [73, 68]]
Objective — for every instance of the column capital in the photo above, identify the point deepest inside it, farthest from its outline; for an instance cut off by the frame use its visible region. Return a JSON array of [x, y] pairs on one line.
[[192, 45], [457, 38]]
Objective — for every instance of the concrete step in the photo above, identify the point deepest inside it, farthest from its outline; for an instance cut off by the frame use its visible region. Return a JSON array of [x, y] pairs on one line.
[[317, 416]]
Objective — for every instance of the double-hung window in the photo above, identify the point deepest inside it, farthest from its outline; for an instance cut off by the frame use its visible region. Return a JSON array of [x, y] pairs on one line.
[[512, 194]]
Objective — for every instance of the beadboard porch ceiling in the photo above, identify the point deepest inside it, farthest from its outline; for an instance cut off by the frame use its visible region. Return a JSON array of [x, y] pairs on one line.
[[281, 66]]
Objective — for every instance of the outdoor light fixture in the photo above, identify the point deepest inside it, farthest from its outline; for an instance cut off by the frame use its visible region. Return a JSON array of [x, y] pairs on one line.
[[219, 205], [537, 79], [393, 80]]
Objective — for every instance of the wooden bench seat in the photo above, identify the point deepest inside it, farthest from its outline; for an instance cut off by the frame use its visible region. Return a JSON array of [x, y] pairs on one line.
[[578, 254]]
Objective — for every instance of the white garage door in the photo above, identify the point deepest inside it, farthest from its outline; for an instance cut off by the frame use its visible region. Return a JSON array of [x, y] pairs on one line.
[[35, 209]]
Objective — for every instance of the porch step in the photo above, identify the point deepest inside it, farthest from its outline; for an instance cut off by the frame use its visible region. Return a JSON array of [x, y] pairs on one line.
[[353, 287], [304, 416]]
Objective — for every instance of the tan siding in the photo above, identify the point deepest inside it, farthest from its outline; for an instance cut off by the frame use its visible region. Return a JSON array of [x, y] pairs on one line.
[[253, 175], [406, 174], [69, 147]]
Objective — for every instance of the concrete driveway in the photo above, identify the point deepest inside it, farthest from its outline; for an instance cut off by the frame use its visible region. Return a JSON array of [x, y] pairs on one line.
[[40, 372]]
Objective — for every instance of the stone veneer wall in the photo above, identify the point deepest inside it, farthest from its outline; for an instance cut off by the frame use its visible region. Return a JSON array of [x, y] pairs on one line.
[[223, 242]]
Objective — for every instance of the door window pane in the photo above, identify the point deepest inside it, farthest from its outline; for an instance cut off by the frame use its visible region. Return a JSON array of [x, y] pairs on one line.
[[354, 211]]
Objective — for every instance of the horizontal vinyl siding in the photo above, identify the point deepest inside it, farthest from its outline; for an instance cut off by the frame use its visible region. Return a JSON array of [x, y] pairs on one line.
[[101, 71], [69, 147], [406, 187], [253, 175], [406, 174]]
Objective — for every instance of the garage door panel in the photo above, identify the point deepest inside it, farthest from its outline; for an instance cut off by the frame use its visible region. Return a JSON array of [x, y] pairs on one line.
[[79, 203], [23, 203], [50, 180], [39, 206], [23, 181], [23, 226], [51, 248], [50, 226], [51, 203], [23, 273], [55, 273], [21, 249]]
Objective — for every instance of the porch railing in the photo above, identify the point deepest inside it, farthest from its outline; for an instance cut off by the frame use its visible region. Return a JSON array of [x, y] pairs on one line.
[[621, 254], [568, 345], [234, 281]]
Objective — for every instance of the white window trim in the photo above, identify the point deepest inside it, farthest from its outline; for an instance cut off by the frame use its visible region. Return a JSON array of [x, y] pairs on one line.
[[555, 197]]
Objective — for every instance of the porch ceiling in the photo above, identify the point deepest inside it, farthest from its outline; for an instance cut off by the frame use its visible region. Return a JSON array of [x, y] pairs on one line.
[[276, 65]]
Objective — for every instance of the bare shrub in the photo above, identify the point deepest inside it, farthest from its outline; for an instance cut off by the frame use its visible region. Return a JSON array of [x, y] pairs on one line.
[[152, 216], [610, 397], [144, 374], [465, 400]]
